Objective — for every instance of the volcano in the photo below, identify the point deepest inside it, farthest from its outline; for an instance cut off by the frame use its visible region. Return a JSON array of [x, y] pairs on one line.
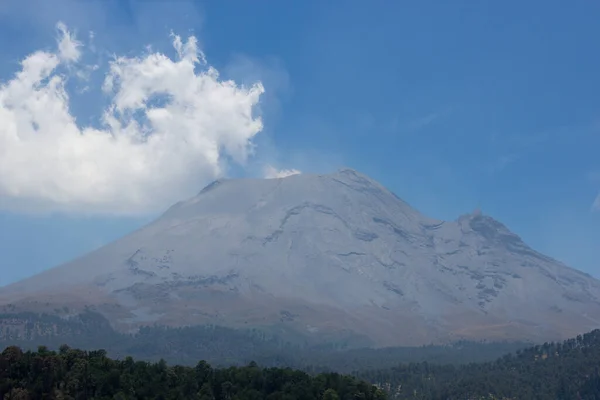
[[326, 255]]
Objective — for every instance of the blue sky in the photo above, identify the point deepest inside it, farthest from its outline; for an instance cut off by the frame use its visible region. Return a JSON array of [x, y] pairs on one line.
[[452, 105]]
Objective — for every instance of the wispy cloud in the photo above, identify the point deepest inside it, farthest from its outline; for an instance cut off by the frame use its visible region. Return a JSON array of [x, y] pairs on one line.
[[270, 71], [429, 119], [594, 178], [271, 172], [425, 121], [400, 124], [508, 149]]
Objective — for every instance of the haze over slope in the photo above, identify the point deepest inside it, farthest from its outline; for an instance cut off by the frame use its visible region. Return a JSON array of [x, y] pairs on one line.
[[334, 254]]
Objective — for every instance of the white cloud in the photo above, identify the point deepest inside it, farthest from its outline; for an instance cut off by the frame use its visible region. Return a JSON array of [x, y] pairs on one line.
[[170, 127], [594, 177], [68, 46], [271, 172]]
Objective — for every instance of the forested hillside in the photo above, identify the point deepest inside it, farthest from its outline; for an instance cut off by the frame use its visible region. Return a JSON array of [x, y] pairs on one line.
[[552, 371], [77, 374], [223, 347]]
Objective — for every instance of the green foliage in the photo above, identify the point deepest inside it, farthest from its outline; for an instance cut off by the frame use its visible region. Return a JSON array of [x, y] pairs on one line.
[[77, 374], [223, 347], [567, 370], [553, 371]]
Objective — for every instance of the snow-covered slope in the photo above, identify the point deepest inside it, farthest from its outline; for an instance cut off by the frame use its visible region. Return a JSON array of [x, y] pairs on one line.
[[323, 254]]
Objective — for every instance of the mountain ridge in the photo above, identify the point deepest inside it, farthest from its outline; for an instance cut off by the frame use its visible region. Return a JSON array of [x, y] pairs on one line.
[[318, 254]]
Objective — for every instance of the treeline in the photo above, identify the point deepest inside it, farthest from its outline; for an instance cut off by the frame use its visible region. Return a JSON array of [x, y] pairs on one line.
[[552, 371], [557, 371], [223, 347], [77, 374]]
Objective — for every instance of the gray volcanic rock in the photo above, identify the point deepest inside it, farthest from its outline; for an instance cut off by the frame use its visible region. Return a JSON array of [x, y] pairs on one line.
[[321, 255]]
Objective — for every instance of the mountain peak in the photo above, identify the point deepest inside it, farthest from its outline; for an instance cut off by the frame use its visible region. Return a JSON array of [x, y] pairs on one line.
[[333, 252], [345, 173]]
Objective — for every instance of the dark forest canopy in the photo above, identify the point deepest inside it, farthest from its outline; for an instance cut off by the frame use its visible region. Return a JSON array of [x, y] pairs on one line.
[[552, 371], [566, 370], [223, 347], [78, 374], [557, 371]]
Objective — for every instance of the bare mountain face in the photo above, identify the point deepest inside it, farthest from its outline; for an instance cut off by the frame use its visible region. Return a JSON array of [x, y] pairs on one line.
[[333, 254]]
